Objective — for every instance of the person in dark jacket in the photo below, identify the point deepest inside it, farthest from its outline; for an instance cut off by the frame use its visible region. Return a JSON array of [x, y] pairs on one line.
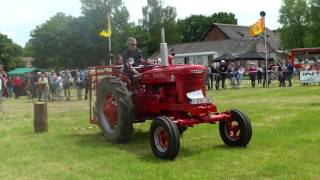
[[252, 74], [223, 73], [290, 70]]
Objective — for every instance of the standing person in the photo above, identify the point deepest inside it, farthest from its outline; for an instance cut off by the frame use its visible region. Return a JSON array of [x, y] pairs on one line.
[[86, 86], [259, 75], [252, 74], [217, 77], [265, 80], [34, 80], [66, 83], [51, 81], [10, 87], [58, 86], [212, 74], [1, 87], [223, 73], [208, 76], [17, 86], [44, 87], [290, 70], [280, 75], [28, 84], [240, 73], [232, 75], [37, 85], [78, 83], [4, 78]]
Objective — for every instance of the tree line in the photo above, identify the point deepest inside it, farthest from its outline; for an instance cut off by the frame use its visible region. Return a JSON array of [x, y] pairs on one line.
[[69, 42], [10, 53], [300, 23]]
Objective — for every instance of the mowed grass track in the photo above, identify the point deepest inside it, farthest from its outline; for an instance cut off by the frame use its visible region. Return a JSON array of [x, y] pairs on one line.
[[285, 142]]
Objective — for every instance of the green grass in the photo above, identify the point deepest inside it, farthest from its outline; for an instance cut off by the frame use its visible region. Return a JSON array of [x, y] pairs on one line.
[[285, 142]]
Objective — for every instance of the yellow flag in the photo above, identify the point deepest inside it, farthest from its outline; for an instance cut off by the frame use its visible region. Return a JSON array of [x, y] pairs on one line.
[[257, 27], [106, 33]]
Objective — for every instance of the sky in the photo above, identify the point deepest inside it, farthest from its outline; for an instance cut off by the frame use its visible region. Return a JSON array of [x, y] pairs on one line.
[[19, 17]]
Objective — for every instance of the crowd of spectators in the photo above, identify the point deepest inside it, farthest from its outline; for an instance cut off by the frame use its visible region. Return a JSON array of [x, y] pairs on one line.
[[217, 74], [46, 86]]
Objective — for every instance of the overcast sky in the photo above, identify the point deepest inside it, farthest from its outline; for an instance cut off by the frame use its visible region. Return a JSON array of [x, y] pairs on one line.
[[19, 17]]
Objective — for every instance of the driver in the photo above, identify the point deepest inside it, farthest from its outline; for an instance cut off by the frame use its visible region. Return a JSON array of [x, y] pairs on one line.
[[132, 53]]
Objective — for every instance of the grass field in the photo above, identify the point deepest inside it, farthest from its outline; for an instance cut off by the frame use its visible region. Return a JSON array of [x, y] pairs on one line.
[[285, 142]]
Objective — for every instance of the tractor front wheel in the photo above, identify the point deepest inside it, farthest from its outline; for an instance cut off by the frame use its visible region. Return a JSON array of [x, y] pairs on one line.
[[164, 138], [237, 131]]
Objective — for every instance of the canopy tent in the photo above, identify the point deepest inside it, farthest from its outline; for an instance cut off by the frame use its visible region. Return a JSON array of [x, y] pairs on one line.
[[22, 71], [253, 56], [226, 56]]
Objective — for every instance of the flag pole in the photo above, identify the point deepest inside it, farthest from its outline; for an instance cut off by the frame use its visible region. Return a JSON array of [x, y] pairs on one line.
[[263, 14], [109, 39]]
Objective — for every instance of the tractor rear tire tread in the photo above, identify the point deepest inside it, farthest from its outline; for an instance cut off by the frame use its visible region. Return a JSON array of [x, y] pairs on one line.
[[124, 128]]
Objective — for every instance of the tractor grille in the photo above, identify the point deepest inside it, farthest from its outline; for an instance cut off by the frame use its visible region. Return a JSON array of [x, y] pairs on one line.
[[194, 82]]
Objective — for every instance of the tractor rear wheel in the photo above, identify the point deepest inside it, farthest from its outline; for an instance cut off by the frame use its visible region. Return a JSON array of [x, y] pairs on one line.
[[236, 132], [164, 138], [114, 110]]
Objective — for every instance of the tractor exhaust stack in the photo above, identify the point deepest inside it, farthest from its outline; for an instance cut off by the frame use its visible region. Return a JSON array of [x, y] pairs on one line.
[[164, 49]]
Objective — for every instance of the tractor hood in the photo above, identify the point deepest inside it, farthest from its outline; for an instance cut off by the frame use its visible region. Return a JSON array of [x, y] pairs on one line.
[[161, 74]]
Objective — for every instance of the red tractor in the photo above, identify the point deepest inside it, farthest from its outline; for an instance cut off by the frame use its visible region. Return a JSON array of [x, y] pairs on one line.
[[173, 96]]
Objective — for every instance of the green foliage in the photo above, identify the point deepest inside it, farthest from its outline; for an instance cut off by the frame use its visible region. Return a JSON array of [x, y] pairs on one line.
[[285, 142], [95, 12], [143, 38], [155, 17], [313, 35], [51, 42], [68, 42], [10, 53], [294, 20], [193, 27]]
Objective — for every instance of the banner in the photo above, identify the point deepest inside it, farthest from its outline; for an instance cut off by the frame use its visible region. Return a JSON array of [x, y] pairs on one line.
[[309, 76]]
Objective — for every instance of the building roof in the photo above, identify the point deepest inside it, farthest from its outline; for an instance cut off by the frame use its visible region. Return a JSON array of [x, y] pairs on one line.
[[238, 31], [236, 46]]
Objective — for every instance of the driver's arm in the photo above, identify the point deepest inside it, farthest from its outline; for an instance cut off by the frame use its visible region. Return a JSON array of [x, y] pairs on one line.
[[133, 70]]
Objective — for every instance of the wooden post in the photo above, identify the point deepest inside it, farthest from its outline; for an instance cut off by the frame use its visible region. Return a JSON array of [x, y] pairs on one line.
[[40, 117]]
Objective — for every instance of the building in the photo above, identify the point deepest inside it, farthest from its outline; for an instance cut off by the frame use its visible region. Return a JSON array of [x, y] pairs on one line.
[[226, 38]]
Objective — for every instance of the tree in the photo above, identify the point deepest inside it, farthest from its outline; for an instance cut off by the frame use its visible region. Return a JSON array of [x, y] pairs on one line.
[[68, 42], [294, 21], [10, 53], [95, 14], [51, 43], [193, 27], [155, 17], [313, 34], [224, 17]]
